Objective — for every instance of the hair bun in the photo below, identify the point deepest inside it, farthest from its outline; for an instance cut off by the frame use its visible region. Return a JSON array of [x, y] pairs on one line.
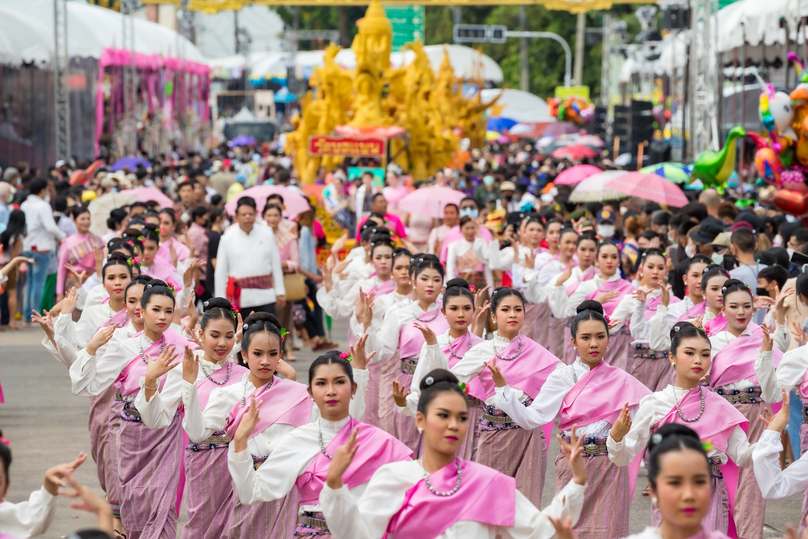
[[156, 282], [151, 226], [263, 317], [437, 376], [589, 305], [115, 255], [459, 282], [213, 303], [671, 429]]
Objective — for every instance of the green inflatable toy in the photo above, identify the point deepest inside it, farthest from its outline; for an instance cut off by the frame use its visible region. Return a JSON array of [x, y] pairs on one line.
[[715, 168]]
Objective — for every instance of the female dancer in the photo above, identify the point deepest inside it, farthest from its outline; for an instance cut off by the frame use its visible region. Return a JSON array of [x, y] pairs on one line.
[[686, 402], [560, 289], [774, 482], [712, 284], [743, 373], [648, 365], [77, 250], [589, 393], [372, 307], [608, 289], [398, 335], [444, 351], [460, 259], [536, 291], [157, 267], [168, 242], [148, 461], [503, 444], [300, 462], [442, 496], [678, 471], [537, 315], [206, 369], [284, 406]]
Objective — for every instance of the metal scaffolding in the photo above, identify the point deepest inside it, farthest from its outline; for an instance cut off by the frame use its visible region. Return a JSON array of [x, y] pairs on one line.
[[129, 124], [703, 79], [61, 94]]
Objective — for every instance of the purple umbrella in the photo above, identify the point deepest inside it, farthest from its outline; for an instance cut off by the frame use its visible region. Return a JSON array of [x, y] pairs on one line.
[[131, 163], [560, 128], [242, 140]]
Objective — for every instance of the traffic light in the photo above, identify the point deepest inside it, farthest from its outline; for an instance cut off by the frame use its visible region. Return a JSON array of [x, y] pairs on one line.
[[497, 33], [470, 33]]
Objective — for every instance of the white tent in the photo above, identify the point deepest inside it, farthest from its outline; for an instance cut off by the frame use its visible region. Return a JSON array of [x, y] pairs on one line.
[[521, 106], [90, 29], [466, 62], [22, 39], [215, 33]]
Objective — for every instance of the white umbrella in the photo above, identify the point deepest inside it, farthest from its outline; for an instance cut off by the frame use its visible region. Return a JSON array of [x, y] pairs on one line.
[[593, 189], [101, 207]]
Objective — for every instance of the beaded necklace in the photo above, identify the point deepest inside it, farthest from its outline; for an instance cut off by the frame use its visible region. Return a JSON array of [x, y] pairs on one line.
[[682, 416], [434, 316], [320, 437], [209, 377], [516, 355], [244, 393], [448, 492], [162, 347]]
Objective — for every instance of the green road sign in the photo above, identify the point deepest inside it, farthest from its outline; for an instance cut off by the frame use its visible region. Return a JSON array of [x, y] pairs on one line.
[[408, 24]]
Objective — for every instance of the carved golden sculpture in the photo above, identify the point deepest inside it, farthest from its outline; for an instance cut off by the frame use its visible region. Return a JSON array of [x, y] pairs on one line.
[[432, 111]]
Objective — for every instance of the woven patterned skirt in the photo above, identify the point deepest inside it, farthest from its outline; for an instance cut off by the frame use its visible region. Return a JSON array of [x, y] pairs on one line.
[[750, 507], [149, 470], [115, 421], [535, 327], [404, 426], [312, 525], [99, 437], [371, 416], [619, 353], [516, 452], [209, 494], [569, 351], [468, 449], [651, 367], [717, 517], [387, 406], [803, 449], [265, 520], [555, 336], [606, 500]]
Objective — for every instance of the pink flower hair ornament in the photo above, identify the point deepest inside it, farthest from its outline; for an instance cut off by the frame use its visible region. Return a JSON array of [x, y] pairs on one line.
[[346, 356]]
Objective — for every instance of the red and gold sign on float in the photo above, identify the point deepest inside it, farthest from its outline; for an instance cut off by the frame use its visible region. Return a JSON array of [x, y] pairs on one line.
[[347, 146]]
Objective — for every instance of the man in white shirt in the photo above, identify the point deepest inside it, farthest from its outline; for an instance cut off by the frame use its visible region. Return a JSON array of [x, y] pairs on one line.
[[248, 265], [43, 237]]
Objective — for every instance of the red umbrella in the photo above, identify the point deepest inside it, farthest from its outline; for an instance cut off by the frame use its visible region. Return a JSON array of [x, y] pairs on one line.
[[649, 187], [575, 175], [575, 152]]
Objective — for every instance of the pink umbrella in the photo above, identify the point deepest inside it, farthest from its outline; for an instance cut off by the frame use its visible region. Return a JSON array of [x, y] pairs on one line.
[[295, 203], [430, 201], [575, 151], [649, 187], [576, 174], [148, 194]]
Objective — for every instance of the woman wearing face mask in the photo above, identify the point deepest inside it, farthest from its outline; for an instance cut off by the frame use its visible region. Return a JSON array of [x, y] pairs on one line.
[[168, 242], [743, 372], [538, 280], [148, 461], [649, 362], [461, 260], [297, 467], [284, 405], [398, 334], [679, 472], [560, 289], [444, 351], [688, 403], [502, 443], [77, 250], [442, 496], [569, 392], [370, 312]]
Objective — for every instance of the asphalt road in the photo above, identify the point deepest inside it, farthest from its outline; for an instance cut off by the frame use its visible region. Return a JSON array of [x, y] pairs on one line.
[[48, 425]]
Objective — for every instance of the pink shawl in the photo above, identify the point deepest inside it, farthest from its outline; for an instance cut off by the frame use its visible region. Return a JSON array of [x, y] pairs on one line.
[[736, 361], [120, 318], [284, 402], [620, 286], [165, 272], [652, 304], [694, 312], [411, 339], [128, 382], [164, 251], [485, 496], [453, 235], [527, 372], [716, 425], [588, 275], [460, 346], [375, 449], [205, 387]]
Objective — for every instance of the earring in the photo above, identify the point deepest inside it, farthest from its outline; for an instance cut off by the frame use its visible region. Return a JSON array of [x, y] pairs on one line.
[[654, 500], [352, 396], [420, 430], [312, 399]]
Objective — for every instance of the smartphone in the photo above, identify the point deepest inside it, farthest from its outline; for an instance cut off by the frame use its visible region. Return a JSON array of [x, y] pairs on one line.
[[799, 258]]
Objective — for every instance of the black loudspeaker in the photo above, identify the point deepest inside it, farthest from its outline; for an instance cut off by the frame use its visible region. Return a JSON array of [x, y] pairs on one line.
[[673, 18]]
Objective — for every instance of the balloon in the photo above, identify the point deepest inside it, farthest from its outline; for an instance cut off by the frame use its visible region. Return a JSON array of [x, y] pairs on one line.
[[791, 202], [714, 168], [768, 165], [793, 179]]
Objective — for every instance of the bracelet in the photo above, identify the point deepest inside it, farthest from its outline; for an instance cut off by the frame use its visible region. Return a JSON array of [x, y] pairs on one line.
[[147, 387]]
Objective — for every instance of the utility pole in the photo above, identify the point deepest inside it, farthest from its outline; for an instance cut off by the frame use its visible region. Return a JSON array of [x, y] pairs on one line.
[[235, 32], [524, 77], [580, 36], [61, 94]]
